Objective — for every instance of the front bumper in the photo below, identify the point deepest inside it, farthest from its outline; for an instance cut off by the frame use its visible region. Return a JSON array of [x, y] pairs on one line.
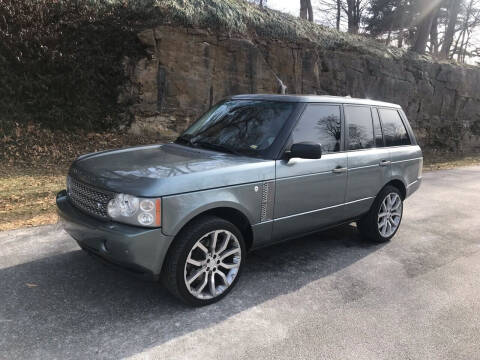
[[140, 250]]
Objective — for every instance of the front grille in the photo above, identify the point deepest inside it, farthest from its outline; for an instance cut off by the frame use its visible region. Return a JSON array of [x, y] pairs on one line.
[[88, 198]]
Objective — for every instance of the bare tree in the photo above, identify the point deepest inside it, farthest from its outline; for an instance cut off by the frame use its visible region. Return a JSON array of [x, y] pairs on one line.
[[339, 13], [306, 10], [261, 3], [354, 11], [453, 10], [329, 12], [434, 36], [470, 13]]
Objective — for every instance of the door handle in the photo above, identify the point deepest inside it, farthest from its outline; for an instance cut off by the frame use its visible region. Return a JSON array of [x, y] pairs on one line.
[[385, 162], [339, 170]]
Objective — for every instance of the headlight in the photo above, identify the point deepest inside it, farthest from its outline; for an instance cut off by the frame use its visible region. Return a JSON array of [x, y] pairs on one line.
[[133, 210]]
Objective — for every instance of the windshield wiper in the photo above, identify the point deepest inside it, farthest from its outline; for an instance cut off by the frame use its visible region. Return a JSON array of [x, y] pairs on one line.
[[185, 139], [218, 147]]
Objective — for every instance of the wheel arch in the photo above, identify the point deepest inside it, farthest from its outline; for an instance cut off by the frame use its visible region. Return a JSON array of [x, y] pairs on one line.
[[227, 212], [400, 185]]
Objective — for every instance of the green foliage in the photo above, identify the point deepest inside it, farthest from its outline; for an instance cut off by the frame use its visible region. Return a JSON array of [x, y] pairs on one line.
[[61, 61]]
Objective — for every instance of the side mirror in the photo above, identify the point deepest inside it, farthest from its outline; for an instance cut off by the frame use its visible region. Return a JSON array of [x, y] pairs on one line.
[[305, 150]]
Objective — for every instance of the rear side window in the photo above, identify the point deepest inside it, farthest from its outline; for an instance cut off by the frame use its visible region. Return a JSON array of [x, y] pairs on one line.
[[377, 129], [394, 130], [359, 127], [320, 124]]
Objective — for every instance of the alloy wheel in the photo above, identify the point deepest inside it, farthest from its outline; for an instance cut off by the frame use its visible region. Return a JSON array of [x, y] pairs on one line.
[[390, 215], [212, 264]]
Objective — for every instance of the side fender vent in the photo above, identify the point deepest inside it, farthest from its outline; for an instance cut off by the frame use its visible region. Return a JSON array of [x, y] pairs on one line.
[[268, 191]]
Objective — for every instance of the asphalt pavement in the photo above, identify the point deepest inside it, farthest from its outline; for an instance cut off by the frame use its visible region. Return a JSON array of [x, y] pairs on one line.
[[325, 296]]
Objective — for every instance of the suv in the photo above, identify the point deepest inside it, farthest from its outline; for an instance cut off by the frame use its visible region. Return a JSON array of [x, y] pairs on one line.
[[252, 171]]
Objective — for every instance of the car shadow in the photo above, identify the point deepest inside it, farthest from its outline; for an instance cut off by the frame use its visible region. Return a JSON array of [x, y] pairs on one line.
[[72, 306]]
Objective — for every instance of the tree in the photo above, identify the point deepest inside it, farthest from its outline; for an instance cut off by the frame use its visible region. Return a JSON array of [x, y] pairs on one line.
[[434, 35], [330, 12], [453, 10], [261, 3], [339, 13], [389, 17], [470, 19], [426, 12], [354, 11], [306, 10]]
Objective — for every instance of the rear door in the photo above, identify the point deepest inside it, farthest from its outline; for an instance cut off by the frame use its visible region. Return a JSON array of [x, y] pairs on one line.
[[309, 194], [406, 156], [369, 163]]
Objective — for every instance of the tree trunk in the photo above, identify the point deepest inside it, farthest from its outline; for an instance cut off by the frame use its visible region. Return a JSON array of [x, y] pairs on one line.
[[303, 9], [462, 53], [310, 10], [339, 13], [434, 36], [453, 11], [400, 39], [353, 14], [425, 25]]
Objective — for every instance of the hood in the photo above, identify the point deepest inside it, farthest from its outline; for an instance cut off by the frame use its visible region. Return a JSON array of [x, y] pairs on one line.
[[159, 170]]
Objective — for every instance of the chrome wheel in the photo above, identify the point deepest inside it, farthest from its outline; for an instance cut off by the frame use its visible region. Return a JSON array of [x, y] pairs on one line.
[[212, 264], [390, 214]]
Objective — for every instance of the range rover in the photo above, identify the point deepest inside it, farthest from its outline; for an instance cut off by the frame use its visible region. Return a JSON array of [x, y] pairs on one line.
[[252, 171]]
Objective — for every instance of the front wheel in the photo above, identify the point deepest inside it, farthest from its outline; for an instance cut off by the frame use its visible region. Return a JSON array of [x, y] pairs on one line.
[[384, 218], [205, 261]]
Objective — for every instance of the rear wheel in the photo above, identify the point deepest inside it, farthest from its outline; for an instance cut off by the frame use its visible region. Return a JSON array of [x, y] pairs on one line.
[[205, 261], [383, 220]]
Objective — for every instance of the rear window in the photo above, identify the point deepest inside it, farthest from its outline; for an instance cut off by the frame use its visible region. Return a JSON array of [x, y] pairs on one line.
[[359, 127], [394, 130]]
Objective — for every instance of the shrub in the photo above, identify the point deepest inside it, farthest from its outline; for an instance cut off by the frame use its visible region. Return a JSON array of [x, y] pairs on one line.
[[61, 61]]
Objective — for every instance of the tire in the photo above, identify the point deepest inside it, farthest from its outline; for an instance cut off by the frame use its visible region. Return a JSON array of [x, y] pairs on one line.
[[191, 281], [370, 226]]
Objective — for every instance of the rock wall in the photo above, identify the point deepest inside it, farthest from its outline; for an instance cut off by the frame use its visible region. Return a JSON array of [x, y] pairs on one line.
[[188, 70]]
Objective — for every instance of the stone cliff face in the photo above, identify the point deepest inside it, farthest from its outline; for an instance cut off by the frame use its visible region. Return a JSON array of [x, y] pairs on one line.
[[188, 70]]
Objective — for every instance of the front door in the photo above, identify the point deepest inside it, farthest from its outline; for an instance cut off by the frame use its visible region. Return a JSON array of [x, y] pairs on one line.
[[309, 194]]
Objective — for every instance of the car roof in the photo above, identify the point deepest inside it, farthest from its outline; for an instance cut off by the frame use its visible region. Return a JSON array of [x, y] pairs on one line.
[[313, 99]]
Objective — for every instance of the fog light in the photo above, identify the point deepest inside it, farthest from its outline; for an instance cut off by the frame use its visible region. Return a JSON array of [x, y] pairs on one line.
[[145, 219]]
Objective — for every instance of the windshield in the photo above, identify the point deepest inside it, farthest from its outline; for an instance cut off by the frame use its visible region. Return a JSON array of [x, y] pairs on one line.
[[247, 127]]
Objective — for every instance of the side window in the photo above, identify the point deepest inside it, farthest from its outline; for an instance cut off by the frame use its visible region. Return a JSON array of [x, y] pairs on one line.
[[320, 124], [359, 127], [393, 128], [377, 129]]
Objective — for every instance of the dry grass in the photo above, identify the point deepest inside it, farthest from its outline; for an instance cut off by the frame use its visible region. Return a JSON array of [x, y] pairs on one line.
[[449, 161], [28, 200]]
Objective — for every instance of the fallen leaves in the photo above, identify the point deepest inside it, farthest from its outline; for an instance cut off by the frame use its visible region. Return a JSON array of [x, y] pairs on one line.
[[35, 166]]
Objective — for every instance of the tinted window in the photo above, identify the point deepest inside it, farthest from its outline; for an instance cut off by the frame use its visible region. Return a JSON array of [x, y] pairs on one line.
[[377, 129], [393, 128], [245, 126], [359, 127], [320, 124]]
